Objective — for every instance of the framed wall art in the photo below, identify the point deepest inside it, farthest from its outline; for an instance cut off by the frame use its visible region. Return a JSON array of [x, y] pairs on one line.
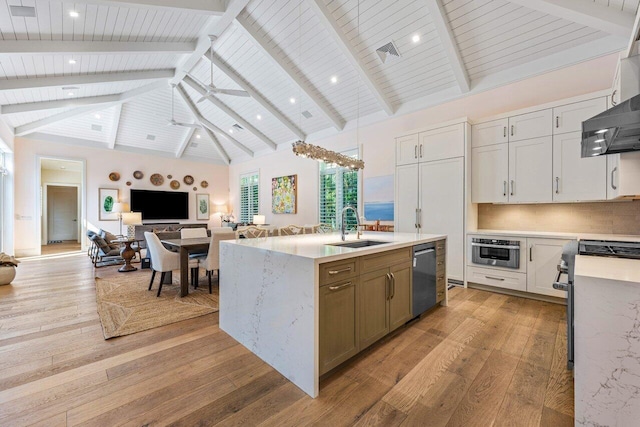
[[202, 206], [284, 194], [107, 197]]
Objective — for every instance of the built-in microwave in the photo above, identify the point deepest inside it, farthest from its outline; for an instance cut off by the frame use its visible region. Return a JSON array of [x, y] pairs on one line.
[[495, 252]]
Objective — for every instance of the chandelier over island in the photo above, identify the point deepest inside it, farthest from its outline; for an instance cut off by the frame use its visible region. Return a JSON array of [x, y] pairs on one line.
[[303, 149]]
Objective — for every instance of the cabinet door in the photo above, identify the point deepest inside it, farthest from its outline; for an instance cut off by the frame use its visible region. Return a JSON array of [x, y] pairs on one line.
[[490, 133], [530, 125], [442, 208], [372, 306], [338, 334], [407, 149], [569, 118], [542, 261], [530, 170], [442, 143], [613, 176], [576, 178], [400, 298], [406, 199], [490, 174]]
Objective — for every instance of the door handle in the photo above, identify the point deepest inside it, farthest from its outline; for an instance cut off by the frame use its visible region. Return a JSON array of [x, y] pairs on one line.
[[612, 172], [504, 188], [512, 187], [344, 270], [335, 288], [495, 278], [558, 184]]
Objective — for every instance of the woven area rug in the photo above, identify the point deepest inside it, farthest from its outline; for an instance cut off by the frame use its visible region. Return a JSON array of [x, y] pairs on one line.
[[126, 306]]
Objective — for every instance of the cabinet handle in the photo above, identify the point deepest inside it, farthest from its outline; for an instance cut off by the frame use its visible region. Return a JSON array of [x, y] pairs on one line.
[[344, 285], [612, 172], [495, 278], [417, 219], [504, 188], [511, 130], [344, 270], [613, 95], [531, 253], [557, 122], [440, 277], [393, 286], [440, 247], [387, 288], [420, 150], [415, 151], [558, 184], [440, 263], [440, 294], [504, 132], [512, 187]]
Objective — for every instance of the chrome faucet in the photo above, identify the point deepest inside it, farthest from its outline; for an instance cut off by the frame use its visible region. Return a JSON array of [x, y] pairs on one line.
[[343, 228]]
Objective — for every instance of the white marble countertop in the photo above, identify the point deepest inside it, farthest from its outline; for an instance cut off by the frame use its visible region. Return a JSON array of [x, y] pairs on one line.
[[558, 235], [317, 247], [598, 267]]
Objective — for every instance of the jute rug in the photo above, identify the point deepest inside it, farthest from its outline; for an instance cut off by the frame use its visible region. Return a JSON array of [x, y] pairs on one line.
[[126, 306]]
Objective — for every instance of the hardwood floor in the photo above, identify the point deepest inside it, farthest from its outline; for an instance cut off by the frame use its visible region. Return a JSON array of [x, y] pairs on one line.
[[64, 246], [487, 359]]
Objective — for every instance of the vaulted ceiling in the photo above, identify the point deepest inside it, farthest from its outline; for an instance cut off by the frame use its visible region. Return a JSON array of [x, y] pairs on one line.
[[98, 72]]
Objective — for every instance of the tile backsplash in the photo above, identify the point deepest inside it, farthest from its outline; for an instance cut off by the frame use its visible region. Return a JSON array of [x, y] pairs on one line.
[[603, 217]]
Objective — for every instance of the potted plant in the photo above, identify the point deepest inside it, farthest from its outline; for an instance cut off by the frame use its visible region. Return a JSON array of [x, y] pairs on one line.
[[8, 265]]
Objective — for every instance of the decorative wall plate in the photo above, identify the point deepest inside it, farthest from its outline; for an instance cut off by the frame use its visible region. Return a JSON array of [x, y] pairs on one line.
[[138, 175], [169, 176], [156, 179], [128, 182], [188, 179], [174, 184], [204, 184], [114, 176], [195, 188]]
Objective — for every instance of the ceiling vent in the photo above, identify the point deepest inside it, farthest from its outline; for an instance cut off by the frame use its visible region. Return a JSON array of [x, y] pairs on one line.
[[194, 145], [388, 53], [96, 127], [70, 87], [237, 126], [151, 137], [306, 114], [23, 11]]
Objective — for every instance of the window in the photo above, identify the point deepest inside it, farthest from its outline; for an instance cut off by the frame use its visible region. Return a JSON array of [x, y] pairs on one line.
[[248, 196], [338, 188]]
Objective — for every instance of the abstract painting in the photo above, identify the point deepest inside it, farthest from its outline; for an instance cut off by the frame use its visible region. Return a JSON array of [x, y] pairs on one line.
[[106, 198], [378, 198], [284, 192]]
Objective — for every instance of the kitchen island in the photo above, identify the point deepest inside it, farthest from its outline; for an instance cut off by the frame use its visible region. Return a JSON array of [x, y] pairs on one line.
[[270, 293], [607, 341]]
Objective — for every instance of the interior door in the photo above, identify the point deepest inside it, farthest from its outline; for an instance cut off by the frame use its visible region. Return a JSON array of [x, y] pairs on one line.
[[62, 213]]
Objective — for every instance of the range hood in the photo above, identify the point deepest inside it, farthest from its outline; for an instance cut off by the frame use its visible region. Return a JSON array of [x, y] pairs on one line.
[[616, 130]]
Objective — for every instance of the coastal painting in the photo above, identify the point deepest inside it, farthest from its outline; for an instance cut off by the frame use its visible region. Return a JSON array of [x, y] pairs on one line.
[[378, 198]]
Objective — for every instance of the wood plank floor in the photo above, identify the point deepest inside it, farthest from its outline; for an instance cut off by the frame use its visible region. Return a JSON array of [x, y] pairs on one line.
[[487, 359]]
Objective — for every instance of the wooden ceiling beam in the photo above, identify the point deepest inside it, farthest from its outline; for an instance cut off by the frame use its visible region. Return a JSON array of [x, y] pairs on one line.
[[291, 72], [115, 125], [350, 53], [55, 47], [185, 142]]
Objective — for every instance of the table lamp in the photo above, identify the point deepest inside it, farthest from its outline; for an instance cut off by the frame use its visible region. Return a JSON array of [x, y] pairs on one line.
[[221, 209], [131, 219], [119, 208], [259, 219]]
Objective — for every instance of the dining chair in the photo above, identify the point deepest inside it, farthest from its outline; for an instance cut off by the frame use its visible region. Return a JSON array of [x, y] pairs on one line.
[[212, 262], [251, 232], [318, 228], [291, 230], [162, 259], [194, 233]]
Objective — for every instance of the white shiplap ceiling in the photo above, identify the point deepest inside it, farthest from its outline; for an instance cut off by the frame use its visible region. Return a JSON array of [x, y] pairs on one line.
[[102, 78]]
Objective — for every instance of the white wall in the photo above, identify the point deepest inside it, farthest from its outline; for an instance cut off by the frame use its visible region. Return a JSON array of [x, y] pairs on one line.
[[377, 139], [99, 163]]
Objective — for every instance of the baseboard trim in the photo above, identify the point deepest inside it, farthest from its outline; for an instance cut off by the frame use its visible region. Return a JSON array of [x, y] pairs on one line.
[[554, 300]]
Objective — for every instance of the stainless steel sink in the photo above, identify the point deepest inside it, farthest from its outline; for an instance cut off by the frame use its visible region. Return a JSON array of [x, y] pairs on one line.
[[358, 243]]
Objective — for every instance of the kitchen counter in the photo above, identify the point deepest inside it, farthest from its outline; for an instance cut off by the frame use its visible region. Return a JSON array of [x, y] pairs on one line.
[[557, 235], [269, 294], [607, 341]]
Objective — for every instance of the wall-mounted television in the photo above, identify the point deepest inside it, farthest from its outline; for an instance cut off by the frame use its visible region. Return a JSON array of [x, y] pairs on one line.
[[160, 204]]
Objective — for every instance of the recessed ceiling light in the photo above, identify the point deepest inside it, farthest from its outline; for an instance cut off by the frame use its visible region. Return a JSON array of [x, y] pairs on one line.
[[259, 117], [198, 136], [70, 94], [73, 14], [63, 167], [72, 61], [230, 130], [97, 116], [334, 79], [292, 100], [415, 38]]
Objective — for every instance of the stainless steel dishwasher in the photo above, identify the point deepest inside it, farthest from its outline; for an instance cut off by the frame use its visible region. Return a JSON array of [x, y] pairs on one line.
[[424, 278]]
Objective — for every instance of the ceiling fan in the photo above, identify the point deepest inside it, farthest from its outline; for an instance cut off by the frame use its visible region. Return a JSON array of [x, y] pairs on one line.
[[172, 121], [211, 89]]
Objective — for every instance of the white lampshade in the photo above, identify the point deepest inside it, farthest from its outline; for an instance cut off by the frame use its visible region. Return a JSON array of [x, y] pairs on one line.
[[120, 207], [132, 218], [259, 219], [221, 208]]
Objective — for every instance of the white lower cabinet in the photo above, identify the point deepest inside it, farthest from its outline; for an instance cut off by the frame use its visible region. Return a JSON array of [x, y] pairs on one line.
[[542, 258], [498, 278]]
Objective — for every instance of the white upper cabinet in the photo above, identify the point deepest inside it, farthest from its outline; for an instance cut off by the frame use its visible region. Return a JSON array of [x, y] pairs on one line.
[[490, 133], [490, 173], [623, 175], [530, 169], [530, 125], [442, 143], [407, 149], [576, 178], [569, 118]]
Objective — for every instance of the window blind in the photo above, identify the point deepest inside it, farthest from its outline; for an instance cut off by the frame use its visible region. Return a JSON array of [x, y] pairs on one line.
[[248, 196], [338, 188]]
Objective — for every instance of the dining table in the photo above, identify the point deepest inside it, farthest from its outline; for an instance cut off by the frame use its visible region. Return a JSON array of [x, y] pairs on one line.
[[186, 247]]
